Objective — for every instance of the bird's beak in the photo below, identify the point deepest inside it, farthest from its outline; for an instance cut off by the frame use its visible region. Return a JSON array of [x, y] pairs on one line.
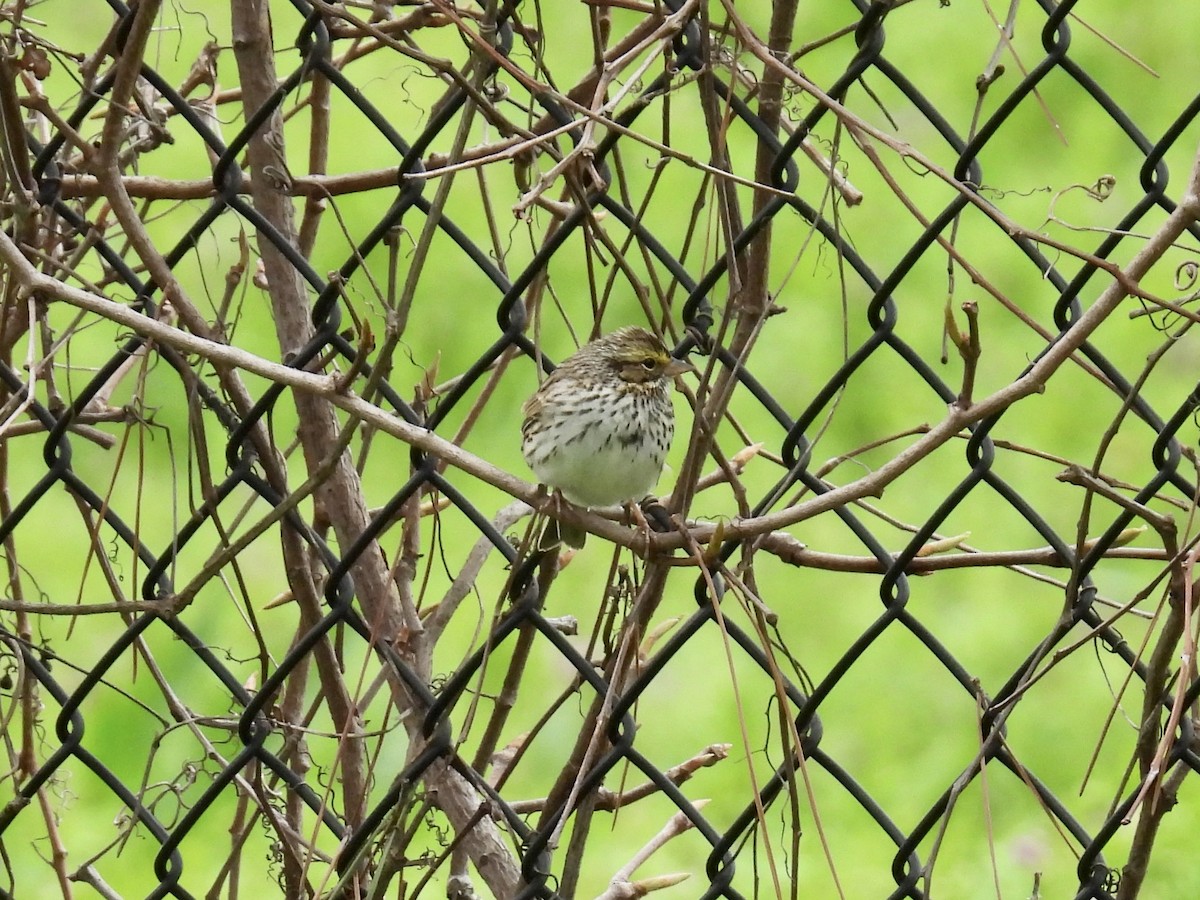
[[678, 367]]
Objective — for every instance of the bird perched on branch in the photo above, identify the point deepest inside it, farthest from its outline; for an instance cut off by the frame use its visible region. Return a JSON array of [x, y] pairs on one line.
[[598, 429]]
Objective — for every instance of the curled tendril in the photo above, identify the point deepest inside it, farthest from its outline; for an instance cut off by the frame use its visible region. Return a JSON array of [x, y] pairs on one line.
[[1186, 275], [1102, 189]]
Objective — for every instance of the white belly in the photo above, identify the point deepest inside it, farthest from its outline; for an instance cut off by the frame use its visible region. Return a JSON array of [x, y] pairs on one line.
[[604, 476]]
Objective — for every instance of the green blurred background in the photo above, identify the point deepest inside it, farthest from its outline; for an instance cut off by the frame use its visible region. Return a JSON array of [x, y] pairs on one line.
[[898, 723]]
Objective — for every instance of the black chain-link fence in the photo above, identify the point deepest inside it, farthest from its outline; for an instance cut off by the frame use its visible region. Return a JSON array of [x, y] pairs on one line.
[[916, 616]]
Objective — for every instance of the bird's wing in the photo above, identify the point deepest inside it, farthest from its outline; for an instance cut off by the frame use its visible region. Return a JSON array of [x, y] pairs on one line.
[[534, 405]]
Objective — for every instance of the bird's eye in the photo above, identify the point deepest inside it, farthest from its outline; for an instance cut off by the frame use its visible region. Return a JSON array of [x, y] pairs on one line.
[[649, 363]]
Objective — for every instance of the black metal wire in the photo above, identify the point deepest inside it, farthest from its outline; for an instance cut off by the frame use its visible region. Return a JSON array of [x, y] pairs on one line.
[[258, 756]]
